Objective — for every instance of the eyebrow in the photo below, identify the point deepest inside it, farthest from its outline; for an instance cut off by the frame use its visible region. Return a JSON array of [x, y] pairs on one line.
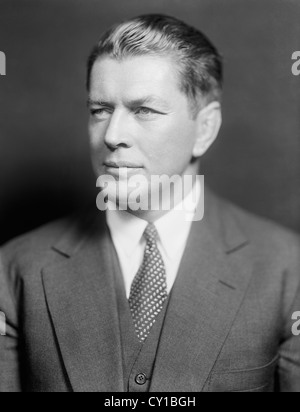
[[163, 104]]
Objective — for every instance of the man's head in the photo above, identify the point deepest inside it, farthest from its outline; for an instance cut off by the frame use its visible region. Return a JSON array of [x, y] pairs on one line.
[[155, 88], [196, 60]]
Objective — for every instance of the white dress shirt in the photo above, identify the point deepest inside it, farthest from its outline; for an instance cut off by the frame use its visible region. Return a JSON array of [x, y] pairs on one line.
[[173, 229]]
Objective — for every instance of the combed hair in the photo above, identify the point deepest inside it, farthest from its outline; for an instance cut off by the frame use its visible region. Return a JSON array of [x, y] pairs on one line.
[[198, 61]]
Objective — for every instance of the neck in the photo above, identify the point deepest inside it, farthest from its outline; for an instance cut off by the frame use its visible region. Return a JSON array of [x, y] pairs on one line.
[[177, 196]]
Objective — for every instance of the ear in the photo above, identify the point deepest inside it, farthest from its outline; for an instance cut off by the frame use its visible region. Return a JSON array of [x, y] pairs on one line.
[[209, 121]]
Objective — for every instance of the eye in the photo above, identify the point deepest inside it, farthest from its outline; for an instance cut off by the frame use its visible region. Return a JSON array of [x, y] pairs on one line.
[[145, 111], [101, 113]]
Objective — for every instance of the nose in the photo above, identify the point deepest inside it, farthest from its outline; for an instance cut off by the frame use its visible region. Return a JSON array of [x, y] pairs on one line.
[[116, 133]]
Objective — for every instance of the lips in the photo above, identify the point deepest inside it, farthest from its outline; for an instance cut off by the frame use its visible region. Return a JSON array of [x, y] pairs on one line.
[[121, 165]]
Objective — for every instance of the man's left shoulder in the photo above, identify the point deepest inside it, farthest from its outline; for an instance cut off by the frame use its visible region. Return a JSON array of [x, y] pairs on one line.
[[265, 236], [265, 231]]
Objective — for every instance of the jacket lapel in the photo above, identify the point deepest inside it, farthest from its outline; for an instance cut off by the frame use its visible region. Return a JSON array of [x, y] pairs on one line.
[[80, 294], [206, 297], [209, 290]]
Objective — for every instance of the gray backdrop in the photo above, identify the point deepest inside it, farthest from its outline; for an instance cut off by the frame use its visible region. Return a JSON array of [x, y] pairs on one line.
[[44, 156]]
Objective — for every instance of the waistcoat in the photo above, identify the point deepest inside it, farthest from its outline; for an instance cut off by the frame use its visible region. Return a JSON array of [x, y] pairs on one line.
[[138, 358]]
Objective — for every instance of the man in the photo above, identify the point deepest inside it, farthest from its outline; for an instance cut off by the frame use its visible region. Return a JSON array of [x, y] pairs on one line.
[[147, 299]]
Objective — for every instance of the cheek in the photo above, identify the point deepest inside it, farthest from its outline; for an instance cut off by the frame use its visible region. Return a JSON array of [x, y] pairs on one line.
[[97, 148], [175, 140], [96, 135], [168, 147]]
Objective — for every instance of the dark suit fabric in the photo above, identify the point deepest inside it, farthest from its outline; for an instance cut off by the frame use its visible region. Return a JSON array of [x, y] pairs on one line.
[[137, 357], [227, 325]]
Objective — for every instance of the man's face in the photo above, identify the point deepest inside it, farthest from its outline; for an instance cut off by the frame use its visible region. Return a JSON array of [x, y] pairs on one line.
[[140, 123]]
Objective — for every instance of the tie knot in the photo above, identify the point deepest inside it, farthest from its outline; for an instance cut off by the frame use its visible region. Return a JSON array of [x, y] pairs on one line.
[[150, 233]]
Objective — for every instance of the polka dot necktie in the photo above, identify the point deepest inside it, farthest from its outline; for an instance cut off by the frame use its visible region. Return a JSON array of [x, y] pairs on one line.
[[149, 288]]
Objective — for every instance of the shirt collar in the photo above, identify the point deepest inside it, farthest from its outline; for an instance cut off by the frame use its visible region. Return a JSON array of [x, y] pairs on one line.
[[126, 229], [173, 227]]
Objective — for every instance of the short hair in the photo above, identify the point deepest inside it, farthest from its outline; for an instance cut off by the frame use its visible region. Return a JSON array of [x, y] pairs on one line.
[[199, 63]]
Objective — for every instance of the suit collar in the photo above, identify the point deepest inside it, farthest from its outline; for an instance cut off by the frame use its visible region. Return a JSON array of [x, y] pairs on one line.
[[206, 297], [222, 222], [83, 227], [80, 295], [218, 218], [210, 287]]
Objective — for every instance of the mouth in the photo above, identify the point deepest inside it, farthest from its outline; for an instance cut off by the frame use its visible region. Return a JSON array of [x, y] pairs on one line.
[[122, 165], [122, 168]]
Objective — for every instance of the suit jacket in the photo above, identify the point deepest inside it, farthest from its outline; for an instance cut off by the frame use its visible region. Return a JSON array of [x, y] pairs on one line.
[[228, 325]]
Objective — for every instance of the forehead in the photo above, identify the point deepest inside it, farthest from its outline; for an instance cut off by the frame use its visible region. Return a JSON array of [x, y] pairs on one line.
[[134, 76]]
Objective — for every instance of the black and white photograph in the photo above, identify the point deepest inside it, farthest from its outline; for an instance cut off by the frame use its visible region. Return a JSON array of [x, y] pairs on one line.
[[149, 198]]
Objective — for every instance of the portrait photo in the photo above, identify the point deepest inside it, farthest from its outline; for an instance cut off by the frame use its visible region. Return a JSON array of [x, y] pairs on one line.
[[150, 198]]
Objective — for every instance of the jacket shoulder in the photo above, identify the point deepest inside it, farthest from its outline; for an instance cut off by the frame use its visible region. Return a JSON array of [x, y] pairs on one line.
[[43, 239], [36, 241], [263, 234]]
